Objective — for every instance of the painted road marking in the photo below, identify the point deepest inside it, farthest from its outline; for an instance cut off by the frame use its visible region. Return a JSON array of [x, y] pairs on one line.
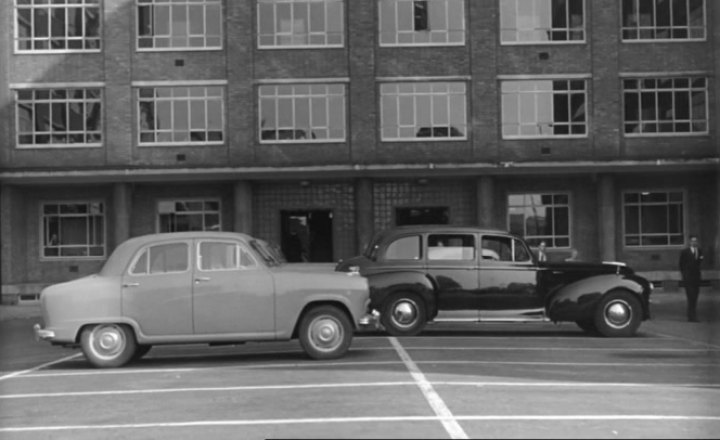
[[451, 425], [39, 367]]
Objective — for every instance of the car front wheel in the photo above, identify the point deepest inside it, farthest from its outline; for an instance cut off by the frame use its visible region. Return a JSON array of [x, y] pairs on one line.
[[618, 314], [325, 332], [403, 314], [108, 345]]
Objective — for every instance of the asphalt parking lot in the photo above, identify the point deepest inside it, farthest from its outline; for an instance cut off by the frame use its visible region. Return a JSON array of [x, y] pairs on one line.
[[452, 381]]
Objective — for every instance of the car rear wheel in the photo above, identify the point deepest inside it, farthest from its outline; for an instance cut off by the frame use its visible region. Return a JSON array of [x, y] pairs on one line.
[[618, 314], [403, 314], [108, 345], [325, 332]]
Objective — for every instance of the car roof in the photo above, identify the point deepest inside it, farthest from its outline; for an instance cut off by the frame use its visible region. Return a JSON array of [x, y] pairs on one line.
[[434, 228]]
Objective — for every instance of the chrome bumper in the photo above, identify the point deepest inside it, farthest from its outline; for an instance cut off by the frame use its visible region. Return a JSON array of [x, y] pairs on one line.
[[371, 319], [42, 334]]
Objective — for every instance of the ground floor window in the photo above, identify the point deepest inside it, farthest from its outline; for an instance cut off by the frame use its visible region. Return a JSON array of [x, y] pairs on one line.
[[188, 215], [653, 218], [540, 217], [72, 230], [422, 216]]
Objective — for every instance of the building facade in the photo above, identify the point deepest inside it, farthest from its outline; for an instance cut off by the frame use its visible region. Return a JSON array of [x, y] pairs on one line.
[[591, 125]]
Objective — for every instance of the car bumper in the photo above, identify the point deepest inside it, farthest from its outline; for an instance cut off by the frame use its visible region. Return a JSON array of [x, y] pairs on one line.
[[371, 320], [42, 334]]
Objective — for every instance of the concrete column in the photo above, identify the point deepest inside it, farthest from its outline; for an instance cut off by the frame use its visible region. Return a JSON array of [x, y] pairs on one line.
[[122, 207], [243, 207], [716, 259], [485, 193], [364, 213], [606, 211], [6, 244]]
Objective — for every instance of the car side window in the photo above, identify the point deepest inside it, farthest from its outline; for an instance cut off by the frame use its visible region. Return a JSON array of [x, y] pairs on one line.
[[404, 248], [521, 252], [496, 248], [451, 247], [215, 255], [162, 258]]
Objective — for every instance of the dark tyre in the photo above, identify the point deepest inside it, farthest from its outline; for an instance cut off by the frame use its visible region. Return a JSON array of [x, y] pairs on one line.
[[325, 332], [588, 326], [108, 345], [403, 314], [140, 351], [618, 314]]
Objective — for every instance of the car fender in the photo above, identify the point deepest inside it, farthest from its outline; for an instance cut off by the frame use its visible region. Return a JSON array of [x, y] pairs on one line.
[[577, 300], [384, 284]]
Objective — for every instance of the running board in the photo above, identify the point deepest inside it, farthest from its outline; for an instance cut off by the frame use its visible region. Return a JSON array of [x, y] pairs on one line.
[[529, 315]]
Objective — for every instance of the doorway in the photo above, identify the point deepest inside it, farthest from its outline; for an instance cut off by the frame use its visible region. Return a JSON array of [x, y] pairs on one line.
[[307, 235]]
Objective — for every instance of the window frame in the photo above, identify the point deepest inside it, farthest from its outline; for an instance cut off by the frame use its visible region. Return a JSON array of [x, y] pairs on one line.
[[86, 4], [549, 239], [569, 30], [176, 3], [639, 29], [202, 213], [640, 233], [88, 230], [276, 35], [446, 30]]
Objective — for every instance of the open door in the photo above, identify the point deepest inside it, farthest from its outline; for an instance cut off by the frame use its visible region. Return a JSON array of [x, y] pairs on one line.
[[307, 235]]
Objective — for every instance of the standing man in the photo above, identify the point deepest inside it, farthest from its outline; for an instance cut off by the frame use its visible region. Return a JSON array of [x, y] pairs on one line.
[[542, 256], [690, 259]]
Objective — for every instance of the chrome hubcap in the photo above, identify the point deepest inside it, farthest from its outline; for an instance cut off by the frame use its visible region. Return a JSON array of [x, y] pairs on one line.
[[618, 314], [404, 313], [326, 333], [108, 341]]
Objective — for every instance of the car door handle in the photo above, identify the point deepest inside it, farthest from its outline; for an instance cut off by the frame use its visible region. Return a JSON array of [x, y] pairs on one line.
[[202, 279], [130, 284]]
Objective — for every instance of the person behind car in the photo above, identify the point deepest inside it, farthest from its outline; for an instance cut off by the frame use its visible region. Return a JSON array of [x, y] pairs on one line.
[[573, 255], [542, 255], [690, 260]]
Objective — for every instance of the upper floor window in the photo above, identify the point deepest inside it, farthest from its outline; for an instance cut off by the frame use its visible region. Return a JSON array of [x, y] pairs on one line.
[[58, 117], [663, 20], [60, 25], [423, 111], [179, 24], [188, 215], [300, 23], [73, 230], [540, 217], [544, 108], [422, 22], [656, 106], [302, 113], [653, 218], [181, 115], [542, 21]]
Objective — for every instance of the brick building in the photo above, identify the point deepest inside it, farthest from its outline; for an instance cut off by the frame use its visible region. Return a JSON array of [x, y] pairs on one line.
[[592, 125]]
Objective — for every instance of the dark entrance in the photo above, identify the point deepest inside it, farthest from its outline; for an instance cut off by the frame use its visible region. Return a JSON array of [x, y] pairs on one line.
[[307, 235], [421, 216]]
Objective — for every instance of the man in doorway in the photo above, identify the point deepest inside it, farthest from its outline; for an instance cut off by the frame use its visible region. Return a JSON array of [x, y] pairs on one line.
[[690, 260]]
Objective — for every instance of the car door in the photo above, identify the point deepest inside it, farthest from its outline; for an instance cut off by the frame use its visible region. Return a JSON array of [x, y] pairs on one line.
[[452, 262], [508, 275], [233, 292], [157, 289]]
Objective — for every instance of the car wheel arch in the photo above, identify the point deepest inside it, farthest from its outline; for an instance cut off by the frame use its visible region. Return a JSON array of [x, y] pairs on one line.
[[314, 304]]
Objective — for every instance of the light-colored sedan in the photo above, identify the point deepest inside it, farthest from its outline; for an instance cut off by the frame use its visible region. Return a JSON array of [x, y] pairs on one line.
[[203, 287]]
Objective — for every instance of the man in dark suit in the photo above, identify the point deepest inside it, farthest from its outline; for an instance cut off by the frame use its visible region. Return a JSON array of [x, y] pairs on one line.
[[690, 260]]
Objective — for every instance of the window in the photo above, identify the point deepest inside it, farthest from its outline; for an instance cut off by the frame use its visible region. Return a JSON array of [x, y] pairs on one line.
[[544, 108], [224, 256], [404, 248], [540, 217], [162, 258], [542, 21], [300, 23], [451, 247], [60, 25], [654, 218], [302, 113], [422, 216], [181, 115], [422, 22], [665, 105], [663, 20], [59, 117], [188, 215], [179, 24], [423, 111], [73, 230]]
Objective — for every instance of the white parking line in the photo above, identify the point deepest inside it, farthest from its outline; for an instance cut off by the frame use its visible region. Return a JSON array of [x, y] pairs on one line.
[[451, 425], [39, 367], [472, 418]]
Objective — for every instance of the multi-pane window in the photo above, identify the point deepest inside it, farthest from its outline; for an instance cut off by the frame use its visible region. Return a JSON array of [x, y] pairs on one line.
[[59, 117], [423, 110], [179, 24], [541, 21], [60, 25], [665, 105], [188, 215], [73, 230], [653, 218], [663, 20], [182, 114], [544, 108], [300, 23], [422, 22], [540, 217], [302, 112]]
